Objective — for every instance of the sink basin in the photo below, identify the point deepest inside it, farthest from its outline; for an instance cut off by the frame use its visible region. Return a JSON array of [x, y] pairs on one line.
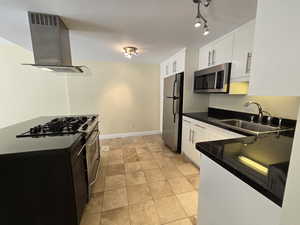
[[251, 127]]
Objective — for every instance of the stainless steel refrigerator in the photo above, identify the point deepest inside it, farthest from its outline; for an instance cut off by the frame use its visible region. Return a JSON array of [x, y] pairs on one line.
[[172, 111]]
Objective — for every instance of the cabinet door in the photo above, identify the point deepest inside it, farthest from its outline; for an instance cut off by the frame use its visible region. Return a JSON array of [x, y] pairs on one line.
[[242, 51], [186, 138], [235, 203], [174, 66], [162, 70], [181, 62], [222, 50], [205, 57], [167, 69], [276, 59]]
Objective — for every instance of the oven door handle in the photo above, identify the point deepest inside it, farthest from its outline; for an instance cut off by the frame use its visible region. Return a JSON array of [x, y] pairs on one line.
[[79, 153], [98, 166], [95, 139]]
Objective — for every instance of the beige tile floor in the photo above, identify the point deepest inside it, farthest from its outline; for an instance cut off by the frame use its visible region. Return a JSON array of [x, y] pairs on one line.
[[142, 182]]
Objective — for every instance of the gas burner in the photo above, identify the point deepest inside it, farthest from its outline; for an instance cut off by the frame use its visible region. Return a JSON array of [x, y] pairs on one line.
[[57, 126]]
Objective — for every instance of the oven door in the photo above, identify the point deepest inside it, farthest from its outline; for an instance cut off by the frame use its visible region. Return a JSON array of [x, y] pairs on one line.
[[93, 158]]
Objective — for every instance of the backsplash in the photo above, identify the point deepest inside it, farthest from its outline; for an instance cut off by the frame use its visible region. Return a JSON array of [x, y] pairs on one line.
[[286, 107]]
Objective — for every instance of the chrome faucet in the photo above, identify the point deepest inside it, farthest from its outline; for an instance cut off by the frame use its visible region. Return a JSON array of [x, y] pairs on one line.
[[260, 110]]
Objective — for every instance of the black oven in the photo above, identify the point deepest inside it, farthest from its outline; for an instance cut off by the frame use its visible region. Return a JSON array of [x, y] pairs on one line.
[[215, 79]]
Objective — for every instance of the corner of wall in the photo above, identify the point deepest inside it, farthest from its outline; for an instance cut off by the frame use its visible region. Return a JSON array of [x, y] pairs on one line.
[[69, 109]]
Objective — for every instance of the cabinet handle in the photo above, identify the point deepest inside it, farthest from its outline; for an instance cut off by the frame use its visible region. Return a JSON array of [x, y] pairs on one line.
[[174, 67], [193, 137], [200, 126], [213, 57], [248, 62], [209, 56]]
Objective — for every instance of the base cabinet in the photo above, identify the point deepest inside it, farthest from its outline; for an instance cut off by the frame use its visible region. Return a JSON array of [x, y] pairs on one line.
[[226, 200], [188, 142], [194, 131]]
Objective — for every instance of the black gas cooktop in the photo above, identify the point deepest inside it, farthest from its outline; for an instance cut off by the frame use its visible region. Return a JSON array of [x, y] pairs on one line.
[[58, 126]]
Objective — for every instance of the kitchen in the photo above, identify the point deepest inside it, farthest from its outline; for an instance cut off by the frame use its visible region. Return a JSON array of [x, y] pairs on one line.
[[137, 178]]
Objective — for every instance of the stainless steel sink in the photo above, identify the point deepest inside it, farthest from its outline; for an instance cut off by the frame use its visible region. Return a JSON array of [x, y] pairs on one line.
[[251, 127]]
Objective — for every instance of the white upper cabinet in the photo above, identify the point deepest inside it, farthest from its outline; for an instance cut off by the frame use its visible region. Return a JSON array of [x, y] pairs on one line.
[[242, 52], [180, 63], [205, 57], [167, 68], [217, 52], [175, 64], [276, 49], [222, 50], [235, 47]]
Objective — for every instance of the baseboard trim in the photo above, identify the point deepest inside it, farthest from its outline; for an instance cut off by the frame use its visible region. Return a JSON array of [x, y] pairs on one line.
[[122, 135]]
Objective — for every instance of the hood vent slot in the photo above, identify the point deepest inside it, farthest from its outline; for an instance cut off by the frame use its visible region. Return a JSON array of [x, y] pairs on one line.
[[43, 19]]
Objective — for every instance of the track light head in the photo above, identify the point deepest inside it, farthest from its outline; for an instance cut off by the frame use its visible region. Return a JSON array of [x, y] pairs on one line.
[[206, 30], [198, 22], [206, 3]]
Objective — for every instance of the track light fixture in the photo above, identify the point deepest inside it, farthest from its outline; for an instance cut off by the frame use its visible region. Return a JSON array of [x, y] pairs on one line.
[[199, 18]]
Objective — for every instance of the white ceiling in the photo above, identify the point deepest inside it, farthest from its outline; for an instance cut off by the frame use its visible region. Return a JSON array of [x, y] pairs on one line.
[[99, 29]]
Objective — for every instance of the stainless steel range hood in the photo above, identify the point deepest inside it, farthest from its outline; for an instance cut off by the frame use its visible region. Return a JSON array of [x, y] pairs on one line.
[[51, 43]]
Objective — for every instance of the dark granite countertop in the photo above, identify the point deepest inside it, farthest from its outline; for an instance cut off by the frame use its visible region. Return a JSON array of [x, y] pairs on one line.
[[270, 153], [10, 144], [214, 115], [262, 162]]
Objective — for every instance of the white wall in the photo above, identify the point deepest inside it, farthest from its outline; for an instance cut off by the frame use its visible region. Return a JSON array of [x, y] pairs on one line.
[[125, 95], [286, 107], [192, 102], [26, 92]]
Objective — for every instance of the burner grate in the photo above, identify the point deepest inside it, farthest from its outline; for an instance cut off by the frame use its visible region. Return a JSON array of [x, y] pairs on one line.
[[56, 127]]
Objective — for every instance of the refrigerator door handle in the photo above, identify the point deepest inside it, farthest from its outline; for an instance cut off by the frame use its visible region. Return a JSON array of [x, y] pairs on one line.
[[174, 99]]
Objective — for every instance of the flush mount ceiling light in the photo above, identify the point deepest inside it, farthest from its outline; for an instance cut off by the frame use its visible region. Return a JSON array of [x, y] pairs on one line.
[[199, 18], [130, 51]]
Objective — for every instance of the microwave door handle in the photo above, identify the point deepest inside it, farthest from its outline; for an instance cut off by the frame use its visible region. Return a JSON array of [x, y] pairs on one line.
[[216, 79]]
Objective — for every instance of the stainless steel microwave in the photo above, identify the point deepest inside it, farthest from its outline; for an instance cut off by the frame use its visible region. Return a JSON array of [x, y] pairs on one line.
[[214, 79]]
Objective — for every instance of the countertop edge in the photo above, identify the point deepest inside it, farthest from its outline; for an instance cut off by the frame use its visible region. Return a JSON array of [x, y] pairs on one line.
[[242, 177]]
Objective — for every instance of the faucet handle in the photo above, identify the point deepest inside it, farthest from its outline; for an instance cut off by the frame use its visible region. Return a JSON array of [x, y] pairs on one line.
[[252, 119], [279, 122], [269, 119]]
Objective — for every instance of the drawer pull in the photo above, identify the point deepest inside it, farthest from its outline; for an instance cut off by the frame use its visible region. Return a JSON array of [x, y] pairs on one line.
[[200, 126], [187, 121]]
